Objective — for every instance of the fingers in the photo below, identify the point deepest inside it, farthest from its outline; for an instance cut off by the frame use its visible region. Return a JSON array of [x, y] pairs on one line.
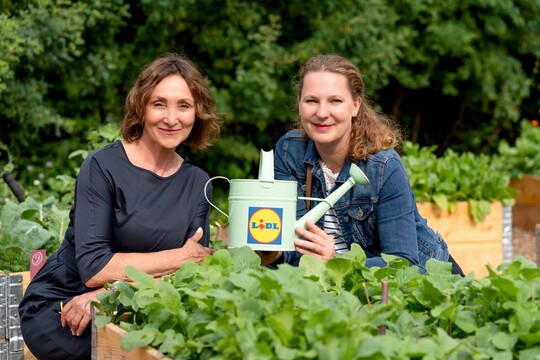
[[77, 328], [313, 233], [76, 314], [193, 250], [197, 236], [317, 242]]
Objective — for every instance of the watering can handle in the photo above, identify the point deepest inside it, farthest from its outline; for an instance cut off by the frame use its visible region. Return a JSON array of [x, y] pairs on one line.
[[206, 197]]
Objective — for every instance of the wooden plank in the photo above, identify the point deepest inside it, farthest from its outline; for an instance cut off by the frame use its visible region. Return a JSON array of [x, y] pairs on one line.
[[526, 211], [529, 189], [473, 245], [107, 346], [526, 216]]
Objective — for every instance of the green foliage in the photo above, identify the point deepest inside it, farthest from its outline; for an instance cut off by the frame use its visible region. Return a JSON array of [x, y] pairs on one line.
[[42, 219], [27, 226], [455, 74], [455, 177], [467, 57], [56, 59], [228, 307], [524, 156]]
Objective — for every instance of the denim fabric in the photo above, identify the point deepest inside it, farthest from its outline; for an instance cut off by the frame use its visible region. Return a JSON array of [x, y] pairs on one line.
[[381, 217]]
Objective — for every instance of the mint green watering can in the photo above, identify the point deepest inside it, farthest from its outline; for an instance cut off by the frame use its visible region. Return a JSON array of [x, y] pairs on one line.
[[262, 211]]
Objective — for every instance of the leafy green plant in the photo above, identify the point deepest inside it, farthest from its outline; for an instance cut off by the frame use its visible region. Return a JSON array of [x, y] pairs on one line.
[[455, 177], [42, 219], [524, 156], [27, 226], [229, 307]]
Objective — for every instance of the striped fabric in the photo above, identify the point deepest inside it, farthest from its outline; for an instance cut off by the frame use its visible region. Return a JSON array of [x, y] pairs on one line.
[[332, 228], [331, 223]]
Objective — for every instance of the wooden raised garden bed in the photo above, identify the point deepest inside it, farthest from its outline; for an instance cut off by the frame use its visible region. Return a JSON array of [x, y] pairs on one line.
[[526, 211], [106, 346], [473, 245]]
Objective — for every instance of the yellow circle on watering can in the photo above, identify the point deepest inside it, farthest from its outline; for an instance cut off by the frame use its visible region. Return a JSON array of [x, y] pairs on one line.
[[265, 225]]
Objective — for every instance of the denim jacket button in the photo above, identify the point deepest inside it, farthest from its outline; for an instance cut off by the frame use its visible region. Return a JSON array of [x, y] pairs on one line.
[[346, 219], [360, 213]]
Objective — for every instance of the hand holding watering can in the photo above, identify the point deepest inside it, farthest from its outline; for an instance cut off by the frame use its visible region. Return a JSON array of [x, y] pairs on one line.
[[262, 211]]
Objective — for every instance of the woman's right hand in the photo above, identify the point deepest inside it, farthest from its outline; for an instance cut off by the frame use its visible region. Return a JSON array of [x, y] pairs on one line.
[[193, 251], [316, 243]]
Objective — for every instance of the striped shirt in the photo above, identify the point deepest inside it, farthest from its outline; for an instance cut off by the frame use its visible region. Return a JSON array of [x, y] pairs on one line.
[[331, 222]]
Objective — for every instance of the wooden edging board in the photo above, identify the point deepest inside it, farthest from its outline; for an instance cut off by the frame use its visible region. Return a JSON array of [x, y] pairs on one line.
[[106, 345]]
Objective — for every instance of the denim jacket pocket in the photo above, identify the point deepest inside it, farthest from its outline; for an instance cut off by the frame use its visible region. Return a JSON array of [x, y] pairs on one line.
[[363, 226]]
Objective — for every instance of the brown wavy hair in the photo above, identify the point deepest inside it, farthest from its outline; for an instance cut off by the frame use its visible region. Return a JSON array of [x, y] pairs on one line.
[[206, 127], [371, 131]]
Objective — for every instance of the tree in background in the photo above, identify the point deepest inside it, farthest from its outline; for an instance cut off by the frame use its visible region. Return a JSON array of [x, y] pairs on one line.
[[57, 66], [455, 74]]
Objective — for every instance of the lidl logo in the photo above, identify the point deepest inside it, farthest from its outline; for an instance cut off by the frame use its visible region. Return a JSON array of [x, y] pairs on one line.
[[265, 225]]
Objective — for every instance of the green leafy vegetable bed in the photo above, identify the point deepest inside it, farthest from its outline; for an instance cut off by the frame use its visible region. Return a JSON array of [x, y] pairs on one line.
[[229, 307]]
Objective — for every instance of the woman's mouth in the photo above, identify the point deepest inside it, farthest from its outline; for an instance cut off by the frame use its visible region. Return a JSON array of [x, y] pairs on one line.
[[322, 126], [170, 131]]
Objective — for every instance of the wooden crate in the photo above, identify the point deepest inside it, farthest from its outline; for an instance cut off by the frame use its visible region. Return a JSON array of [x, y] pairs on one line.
[[526, 211], [106, 346], [473, 245]]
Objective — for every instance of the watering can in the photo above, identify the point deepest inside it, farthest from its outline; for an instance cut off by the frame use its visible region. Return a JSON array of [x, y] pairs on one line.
[[262, 211]]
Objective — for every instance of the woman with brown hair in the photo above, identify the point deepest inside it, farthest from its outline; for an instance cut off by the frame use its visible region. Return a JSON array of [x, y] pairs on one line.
[[337, 128], [137, 202]]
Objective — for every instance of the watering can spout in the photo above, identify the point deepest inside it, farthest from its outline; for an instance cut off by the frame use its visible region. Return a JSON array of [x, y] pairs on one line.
[[357, 176]]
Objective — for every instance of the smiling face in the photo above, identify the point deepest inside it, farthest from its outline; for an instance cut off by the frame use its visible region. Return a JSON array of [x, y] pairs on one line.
[[169, 114], [326, 108]]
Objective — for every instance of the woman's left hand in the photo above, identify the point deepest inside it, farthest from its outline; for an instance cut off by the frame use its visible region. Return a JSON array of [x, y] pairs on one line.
[[318, 244], [76, 313]]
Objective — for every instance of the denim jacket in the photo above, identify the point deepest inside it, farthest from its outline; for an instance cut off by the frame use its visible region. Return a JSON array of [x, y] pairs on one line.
[[381, 217]]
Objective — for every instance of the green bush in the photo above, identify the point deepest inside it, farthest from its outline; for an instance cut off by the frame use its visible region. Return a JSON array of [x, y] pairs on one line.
[[524, 156], [453, 177]]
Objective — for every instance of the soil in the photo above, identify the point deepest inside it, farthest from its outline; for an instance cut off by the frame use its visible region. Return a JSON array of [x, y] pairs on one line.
[[524, 244]]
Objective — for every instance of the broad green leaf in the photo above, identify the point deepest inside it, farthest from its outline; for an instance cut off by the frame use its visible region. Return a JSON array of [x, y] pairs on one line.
[[504, 341], [138, 338], [313, 268], [338, 269], [245, 258], [466, 320], [101, 320], [142, 279], [169, 296]]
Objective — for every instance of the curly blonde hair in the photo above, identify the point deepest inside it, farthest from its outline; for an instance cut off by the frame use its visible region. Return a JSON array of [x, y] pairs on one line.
[[371, 131], [206, 127]]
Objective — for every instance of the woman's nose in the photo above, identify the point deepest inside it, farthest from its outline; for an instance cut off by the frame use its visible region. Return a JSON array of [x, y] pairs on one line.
[[322, 110], [171, 117]]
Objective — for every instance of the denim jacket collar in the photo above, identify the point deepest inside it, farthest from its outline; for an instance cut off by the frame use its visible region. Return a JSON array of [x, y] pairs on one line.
[[311, 156]]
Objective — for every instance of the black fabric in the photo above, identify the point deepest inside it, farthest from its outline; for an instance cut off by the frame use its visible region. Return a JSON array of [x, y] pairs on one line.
[[46, 340], [456, 269], [118, 207]]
